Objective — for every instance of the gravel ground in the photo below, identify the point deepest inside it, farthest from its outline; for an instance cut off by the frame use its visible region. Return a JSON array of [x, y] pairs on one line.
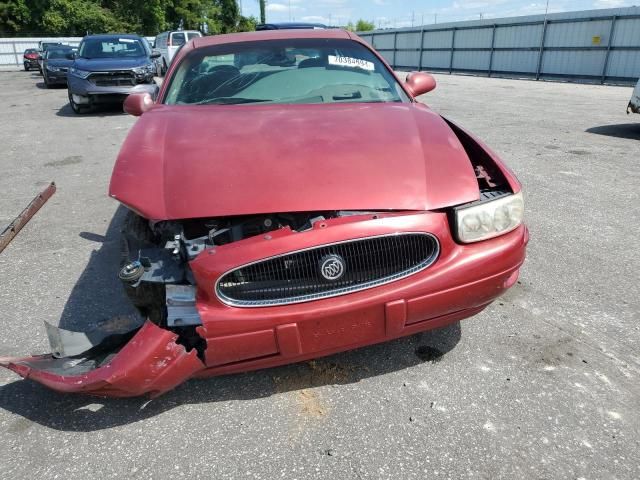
[[542, 384]]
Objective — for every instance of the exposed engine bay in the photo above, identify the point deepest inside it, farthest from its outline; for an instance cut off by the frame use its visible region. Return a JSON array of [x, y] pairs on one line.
[[155, 256]]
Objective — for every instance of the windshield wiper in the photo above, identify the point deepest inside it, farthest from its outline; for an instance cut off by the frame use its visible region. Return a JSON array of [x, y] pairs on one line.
[[229, 101]]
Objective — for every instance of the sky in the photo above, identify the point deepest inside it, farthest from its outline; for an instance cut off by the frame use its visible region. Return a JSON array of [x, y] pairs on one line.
[[405, 13]]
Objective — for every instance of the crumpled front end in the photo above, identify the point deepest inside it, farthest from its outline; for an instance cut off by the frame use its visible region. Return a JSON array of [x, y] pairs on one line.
[[152, 362]]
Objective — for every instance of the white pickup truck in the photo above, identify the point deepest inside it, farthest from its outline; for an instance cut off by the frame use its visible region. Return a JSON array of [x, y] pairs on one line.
[[634, 103]]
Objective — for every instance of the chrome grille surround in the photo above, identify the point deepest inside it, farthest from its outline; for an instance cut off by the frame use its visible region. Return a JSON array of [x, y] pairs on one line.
[[430, 256]]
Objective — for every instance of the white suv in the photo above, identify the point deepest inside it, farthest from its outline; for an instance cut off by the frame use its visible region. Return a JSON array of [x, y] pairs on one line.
[[168, 43]]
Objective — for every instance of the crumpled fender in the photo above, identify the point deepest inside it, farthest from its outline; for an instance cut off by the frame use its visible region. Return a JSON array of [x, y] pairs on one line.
[[150, 363]]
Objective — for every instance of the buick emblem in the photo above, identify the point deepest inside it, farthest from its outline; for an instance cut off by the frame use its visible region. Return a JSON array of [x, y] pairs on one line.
[[332, 267]]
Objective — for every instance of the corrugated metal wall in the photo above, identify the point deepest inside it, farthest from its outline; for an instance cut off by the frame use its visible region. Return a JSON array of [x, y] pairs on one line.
[[593, 45]]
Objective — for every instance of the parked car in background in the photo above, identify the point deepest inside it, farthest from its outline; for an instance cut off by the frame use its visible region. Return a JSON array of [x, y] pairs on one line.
[[55, 64], [249, 240], [634, 103], [30, 58], [42, 49], [168, 43], [107, 68]]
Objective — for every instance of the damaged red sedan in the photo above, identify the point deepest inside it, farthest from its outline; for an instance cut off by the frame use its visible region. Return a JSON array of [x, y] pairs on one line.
[[288, 198]]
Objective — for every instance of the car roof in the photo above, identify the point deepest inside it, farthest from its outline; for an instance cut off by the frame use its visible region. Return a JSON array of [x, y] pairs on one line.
[[114, 35], [179, 31], [289, 25], [269, 35]]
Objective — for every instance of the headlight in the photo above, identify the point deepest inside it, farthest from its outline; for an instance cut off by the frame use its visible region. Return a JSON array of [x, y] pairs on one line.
[[146, 69], [489, 219], [79, 73], [52, 69]]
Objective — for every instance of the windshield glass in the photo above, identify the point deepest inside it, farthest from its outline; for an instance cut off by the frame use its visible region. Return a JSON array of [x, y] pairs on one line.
[[111, 47], [283, 71], [53, 53]]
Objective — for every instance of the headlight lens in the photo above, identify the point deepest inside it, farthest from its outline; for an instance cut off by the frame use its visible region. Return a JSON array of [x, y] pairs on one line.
[[146, 69], [489, 219], [79, 73], [52, 69]]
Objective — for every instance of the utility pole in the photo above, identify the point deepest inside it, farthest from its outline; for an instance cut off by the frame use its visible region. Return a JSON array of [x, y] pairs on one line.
[[289, 10], [263, 5], [329, 19], [413, 17], [435, 18]]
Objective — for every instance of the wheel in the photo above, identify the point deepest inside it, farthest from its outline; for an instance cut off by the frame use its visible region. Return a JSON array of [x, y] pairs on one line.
[[26, 67], [164, 67], [148, 298], [77, 108], [46, 81]]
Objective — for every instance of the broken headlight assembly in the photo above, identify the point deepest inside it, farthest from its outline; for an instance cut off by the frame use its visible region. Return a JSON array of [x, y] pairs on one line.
[[489, 219]]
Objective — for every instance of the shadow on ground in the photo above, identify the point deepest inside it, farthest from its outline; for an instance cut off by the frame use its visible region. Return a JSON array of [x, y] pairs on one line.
[[56, 86], [81, 413], [624, 130], [107, 109], [99, 290]]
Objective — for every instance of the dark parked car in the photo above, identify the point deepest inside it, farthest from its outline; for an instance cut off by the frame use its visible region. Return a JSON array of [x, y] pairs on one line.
[[55, 64], [30, 58], [42, 50], [107, 68], [289, 210]]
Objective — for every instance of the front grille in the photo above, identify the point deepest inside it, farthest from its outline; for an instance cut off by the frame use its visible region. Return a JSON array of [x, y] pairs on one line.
[[113, 79], [328, 270]]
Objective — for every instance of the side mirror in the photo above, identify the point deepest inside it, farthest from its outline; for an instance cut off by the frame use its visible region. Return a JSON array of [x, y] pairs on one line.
[[420, 83], [155, 54], [137, 103], [71, 56]]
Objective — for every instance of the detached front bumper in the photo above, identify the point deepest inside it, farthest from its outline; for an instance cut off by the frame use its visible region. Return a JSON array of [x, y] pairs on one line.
[[98, 94], [463, 281]]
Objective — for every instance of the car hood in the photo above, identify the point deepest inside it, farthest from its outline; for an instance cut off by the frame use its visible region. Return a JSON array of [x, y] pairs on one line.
[[206, 161], [58, 62], [105, 64]]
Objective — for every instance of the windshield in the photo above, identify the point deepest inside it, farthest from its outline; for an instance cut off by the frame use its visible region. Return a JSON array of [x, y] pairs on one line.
[[283, 71], [111, 48], [53, 53]]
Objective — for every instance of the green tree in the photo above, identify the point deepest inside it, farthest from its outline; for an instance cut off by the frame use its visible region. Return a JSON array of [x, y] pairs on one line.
[[77, 17], [364, 26], [14, 17]]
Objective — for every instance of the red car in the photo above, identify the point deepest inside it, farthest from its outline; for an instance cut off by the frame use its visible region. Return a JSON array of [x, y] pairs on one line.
[[289, 198]]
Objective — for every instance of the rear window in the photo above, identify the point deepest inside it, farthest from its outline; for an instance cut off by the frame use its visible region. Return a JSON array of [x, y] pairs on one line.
[[283, 71], [177, 39]]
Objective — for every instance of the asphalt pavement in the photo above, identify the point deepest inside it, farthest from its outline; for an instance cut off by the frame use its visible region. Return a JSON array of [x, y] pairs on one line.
[[543, 384]]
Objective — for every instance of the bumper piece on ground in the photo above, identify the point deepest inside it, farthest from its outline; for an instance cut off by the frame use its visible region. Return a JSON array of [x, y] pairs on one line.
[[152, 362]]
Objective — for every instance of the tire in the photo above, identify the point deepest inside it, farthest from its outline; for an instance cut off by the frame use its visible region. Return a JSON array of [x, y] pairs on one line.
[[26, 67], [148, 298], [164, 67], [46, 82]]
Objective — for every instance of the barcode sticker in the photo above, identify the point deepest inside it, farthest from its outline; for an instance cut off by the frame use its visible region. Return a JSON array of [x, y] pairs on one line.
[[351, 63]]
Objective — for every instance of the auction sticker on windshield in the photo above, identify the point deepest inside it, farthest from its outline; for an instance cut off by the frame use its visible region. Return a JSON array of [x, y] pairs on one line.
[[351, 62]]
